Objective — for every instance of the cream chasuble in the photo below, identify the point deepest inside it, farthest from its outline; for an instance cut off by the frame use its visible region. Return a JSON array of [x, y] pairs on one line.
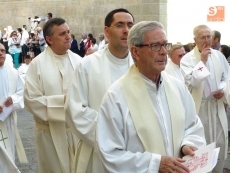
[[147, 124], [93, 78], [47, 82]]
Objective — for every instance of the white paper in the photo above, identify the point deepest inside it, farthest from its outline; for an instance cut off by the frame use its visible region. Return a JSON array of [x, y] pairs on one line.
[[5, 112], [204, 160]]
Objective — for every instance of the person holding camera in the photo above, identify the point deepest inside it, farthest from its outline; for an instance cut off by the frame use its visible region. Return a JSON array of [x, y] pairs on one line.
[[14, 48]]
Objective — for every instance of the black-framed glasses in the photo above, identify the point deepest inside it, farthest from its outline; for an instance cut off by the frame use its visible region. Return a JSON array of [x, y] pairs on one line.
[[156, 46]]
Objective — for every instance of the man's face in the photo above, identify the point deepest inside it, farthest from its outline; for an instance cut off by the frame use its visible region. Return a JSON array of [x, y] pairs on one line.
[[215, 41], [151, 62], [203, 39], [118, 31], [177, 55], [60, 41], [101, 38], [27, 61], [2, 55]]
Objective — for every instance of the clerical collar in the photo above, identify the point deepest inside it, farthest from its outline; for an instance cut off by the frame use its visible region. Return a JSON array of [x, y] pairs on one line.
[[115, 59], [60, 56], [150, 82]]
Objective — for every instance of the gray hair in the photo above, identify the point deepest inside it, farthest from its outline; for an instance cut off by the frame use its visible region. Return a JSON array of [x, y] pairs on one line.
[[199, 27], [136, 34], [84, 35], [174, 47], [102, 35]]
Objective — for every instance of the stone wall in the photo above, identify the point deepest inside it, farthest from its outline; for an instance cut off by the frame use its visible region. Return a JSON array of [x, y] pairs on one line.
[[82, 16]]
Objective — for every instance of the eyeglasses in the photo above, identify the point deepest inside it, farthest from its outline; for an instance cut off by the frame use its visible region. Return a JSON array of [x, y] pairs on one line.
[[122, 26], [205, 38], [3, 50], [156, 46]]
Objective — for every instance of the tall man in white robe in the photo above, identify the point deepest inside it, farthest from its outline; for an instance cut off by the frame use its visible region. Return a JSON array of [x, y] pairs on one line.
[[94, 76], [173, 65], [11, 99], [47, 81], [139, 128], [205, 71]]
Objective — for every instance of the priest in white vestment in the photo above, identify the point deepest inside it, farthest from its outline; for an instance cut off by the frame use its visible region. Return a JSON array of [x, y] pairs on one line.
[[47, 81], [147, 119], [173, 65], [205, 71], [11, 99], [95, 74]]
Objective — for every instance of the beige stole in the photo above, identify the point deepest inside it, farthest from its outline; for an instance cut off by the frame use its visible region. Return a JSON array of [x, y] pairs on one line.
[[100, 79], [53, 80], [143, 115]]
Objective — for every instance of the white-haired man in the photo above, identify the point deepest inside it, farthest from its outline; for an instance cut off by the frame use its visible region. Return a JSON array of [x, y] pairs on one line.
[[205, 72], [139, 128]]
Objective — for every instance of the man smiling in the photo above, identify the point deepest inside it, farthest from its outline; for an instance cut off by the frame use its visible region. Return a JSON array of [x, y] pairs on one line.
[[47, 81]]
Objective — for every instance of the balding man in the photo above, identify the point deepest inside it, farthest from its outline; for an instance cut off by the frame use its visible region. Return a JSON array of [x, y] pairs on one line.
[[11, 99], [173, 66]]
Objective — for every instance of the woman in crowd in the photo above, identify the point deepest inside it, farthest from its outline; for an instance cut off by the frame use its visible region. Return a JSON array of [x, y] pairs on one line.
[[14, 48]]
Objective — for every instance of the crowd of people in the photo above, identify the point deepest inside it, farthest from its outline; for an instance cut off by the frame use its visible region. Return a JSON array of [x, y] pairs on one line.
[[134, 103]]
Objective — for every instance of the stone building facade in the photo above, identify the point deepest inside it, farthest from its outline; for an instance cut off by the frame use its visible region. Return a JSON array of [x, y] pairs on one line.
[[82, 16]]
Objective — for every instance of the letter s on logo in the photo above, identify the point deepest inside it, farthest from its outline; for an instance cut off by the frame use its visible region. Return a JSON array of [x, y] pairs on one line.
[[212, 11]]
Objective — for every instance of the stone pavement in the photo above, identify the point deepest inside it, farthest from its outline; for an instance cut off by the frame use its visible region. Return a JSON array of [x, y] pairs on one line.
[[26, 130]]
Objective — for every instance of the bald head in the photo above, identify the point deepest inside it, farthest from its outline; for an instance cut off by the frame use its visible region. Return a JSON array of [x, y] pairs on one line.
[[2, 54]]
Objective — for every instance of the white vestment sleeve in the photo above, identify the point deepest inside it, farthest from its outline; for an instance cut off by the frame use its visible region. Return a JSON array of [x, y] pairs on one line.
[[112, 139], [17, 97], [79, 116], [193, 75]]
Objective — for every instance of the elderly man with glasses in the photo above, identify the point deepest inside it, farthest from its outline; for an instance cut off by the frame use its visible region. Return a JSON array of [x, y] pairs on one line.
[[206, 71], [173, 66], [139, 128]]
